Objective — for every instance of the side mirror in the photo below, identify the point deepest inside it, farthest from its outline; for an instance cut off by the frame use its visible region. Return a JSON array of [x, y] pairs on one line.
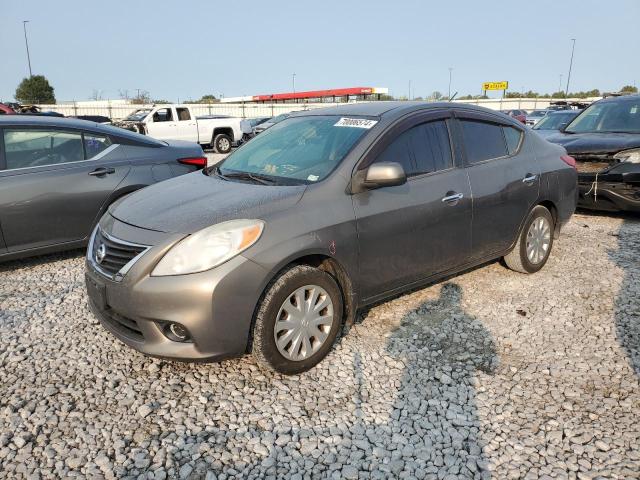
[[384, 174]]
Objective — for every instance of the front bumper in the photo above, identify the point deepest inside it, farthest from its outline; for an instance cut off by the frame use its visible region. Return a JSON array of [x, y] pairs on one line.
[[608, 195], [216, 307]]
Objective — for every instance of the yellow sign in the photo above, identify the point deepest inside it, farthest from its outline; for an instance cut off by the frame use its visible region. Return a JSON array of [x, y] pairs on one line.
[[495, 85]]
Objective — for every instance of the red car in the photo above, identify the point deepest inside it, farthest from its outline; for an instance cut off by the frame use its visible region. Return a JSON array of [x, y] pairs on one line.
[[6, 110], [519, 115]]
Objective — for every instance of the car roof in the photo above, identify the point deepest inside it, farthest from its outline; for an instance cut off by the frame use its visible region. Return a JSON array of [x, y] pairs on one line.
[[65, 122], [620, 98], [389, 109]]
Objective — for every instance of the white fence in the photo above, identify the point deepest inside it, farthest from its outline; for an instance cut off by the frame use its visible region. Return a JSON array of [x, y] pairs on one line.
[[119, 110], [247, 110]]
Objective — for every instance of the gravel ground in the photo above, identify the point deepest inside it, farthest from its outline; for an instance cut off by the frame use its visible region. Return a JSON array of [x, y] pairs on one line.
[[490, 374]]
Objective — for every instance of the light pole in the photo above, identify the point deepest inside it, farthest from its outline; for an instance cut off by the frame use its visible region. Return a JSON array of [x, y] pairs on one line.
[[450, 70], [560, 84], [573, 47], [409, 94], [293, 79], [24, 27]]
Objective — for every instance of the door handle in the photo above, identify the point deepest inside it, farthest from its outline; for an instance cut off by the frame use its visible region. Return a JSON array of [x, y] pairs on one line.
[[452, 198], [99, 172], [529, 179]]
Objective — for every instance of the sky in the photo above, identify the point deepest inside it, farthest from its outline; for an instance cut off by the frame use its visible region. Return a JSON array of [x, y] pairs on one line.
[[179, 50]]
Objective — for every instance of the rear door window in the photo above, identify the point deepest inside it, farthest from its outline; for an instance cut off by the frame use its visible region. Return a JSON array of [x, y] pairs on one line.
[[482, 141], [183, 114]]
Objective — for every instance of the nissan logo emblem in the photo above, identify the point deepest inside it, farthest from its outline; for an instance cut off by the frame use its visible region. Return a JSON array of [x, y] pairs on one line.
[[101, 252]]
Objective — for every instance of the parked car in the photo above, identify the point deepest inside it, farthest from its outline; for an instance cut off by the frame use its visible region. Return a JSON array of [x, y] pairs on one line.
[[535, 116], [6, 110], [59, 175], [270, 123], [605, 141], [326, 212], [94, 118], [518, 114], [178, 122], [554, 121]]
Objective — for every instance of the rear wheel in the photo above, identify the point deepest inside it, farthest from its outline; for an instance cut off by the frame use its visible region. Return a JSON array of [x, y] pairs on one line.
[[222, 143], [298, 320], [534, 243]]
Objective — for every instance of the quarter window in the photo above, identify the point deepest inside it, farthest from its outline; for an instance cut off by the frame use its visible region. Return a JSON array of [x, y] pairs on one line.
[[482, 140], [422, 149], [95, 144], [512, 135], [34, 148]]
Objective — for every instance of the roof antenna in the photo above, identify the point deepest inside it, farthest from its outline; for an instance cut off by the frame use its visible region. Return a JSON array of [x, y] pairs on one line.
[[453, 96]]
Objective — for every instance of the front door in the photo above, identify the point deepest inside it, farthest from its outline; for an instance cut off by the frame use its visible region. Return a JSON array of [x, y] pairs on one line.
[[504, 177], [410, 232], [53, 184], [163, 124]]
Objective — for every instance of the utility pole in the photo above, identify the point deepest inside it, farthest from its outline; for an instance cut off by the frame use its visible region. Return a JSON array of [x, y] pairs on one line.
[[566, 93], [409, 94], [293, 79], [450, 71], [26, 42]]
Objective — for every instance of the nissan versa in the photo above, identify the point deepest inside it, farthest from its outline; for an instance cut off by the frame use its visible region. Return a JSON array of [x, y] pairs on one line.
[[327, 211]]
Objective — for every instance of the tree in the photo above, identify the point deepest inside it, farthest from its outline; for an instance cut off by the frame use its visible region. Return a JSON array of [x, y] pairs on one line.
[[142, 98], [35, 89], [629, 89]]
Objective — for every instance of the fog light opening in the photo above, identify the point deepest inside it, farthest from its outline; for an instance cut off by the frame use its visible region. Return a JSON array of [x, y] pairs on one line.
[[176, 332]]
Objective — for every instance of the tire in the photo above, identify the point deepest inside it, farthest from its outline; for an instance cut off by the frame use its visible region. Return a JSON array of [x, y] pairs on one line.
[[222, 143], [283, 290], [537, 230]]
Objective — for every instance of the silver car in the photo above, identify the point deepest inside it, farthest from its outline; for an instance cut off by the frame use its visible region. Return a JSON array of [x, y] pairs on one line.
[[325, 212]]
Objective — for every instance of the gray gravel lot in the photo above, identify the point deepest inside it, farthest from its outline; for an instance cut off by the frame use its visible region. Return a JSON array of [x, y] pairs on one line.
[[490, 374]]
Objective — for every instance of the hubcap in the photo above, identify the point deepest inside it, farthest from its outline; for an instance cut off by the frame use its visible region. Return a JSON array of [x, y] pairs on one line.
[[538, 240], [303, 322], [223, 144]]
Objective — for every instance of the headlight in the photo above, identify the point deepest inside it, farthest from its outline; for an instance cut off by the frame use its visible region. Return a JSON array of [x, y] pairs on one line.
[[209, 247], [631, 156]]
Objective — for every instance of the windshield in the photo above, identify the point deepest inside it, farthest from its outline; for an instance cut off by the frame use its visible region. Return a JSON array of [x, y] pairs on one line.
[[538, 113], [608, 117], [554, 121], [298, 149], [139, 115]]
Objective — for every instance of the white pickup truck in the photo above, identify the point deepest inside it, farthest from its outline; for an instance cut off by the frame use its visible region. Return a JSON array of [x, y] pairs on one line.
[[177, 122]]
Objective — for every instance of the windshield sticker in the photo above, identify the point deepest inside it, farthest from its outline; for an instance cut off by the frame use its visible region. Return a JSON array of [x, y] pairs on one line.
[[356, 123], [634, 110], [313, 178]]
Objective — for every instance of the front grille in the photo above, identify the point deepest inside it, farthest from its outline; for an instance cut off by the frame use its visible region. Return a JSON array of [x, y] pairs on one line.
[[125, 326], [110, 254]]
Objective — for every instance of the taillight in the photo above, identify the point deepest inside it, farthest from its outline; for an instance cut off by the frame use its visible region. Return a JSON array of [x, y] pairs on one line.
[[199, 162], [569, 160]]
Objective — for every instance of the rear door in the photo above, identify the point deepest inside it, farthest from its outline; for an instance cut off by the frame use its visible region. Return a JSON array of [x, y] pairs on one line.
[[53, 183], [412, 231], [187, 126], [504, 177], [163, 124]]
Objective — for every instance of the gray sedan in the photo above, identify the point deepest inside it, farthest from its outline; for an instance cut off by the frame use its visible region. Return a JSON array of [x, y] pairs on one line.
[[325, 212], [58, 176]]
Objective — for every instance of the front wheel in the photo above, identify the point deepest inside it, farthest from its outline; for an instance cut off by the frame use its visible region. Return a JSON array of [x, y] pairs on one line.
[[298, 320], [534, 243], [222, 143]]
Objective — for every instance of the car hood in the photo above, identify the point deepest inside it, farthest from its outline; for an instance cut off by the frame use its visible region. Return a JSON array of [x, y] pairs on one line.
[[594, 143], [191, 202]]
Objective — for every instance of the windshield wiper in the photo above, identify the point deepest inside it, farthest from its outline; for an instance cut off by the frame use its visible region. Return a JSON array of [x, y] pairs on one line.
[[256, 177]]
